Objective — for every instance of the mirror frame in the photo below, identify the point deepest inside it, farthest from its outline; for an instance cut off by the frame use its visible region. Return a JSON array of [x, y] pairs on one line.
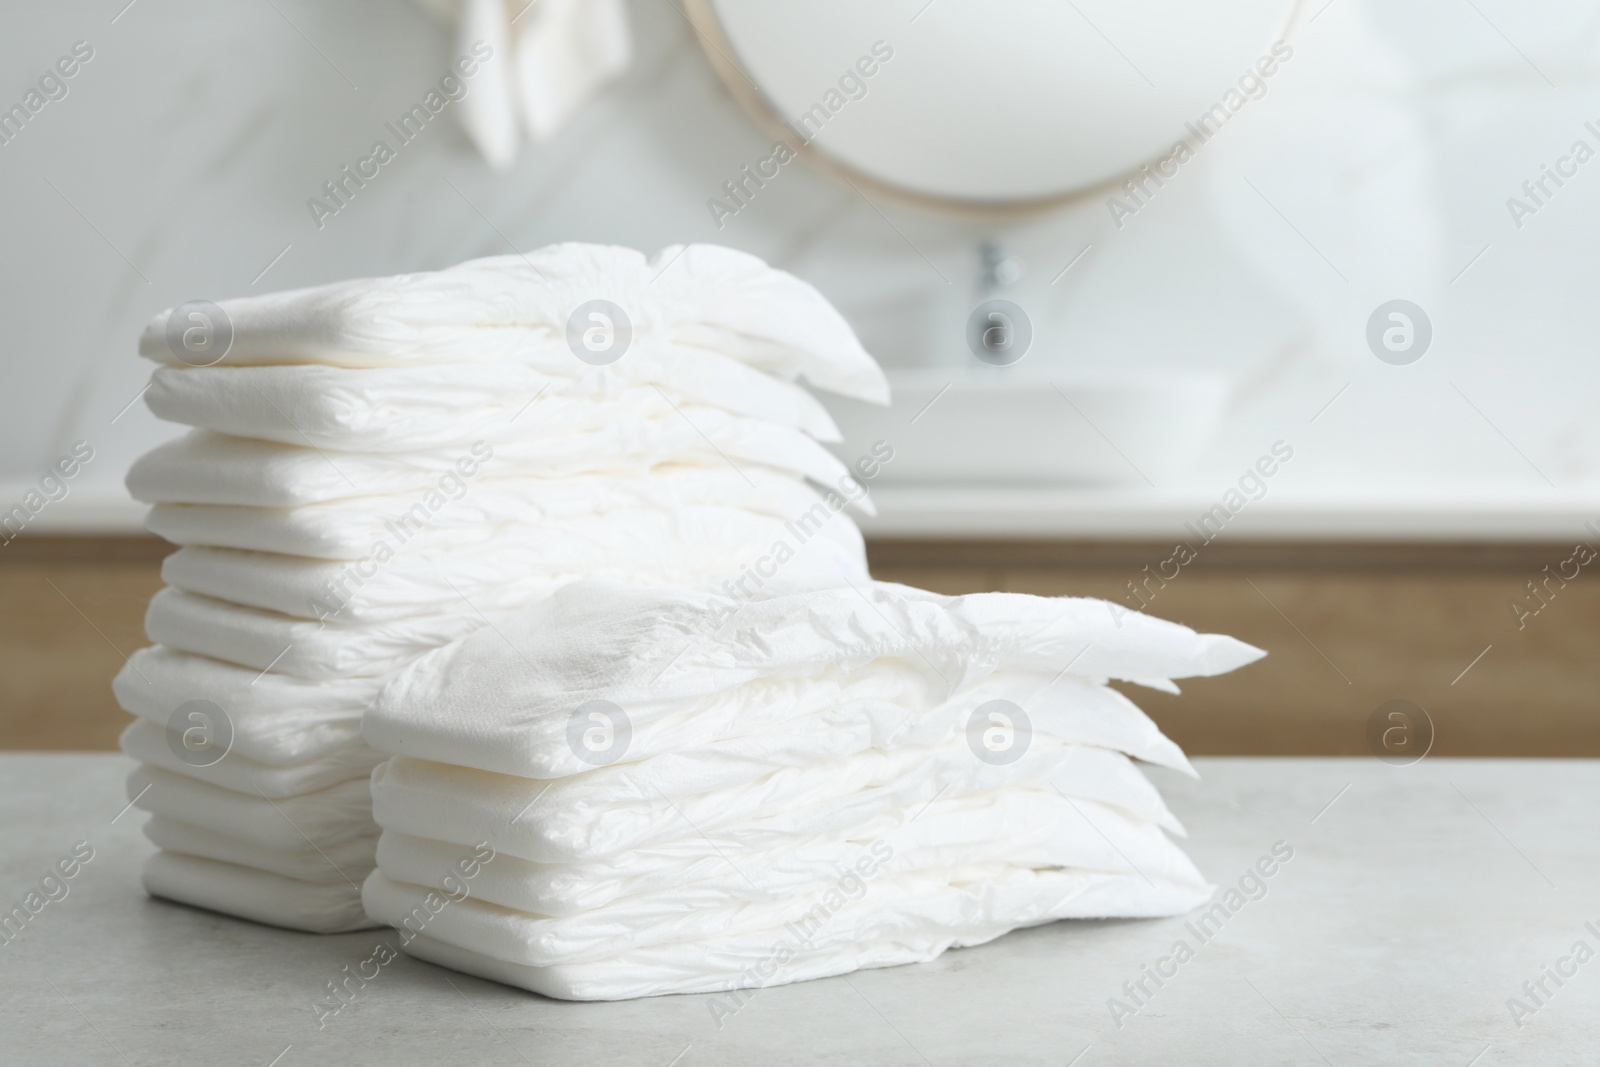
[[719, 51]]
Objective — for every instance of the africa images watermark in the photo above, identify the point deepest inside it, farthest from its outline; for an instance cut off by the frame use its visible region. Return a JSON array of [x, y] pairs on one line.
[[453, 888], [599, 731], [1536, 992], [342, 188], [53, 888], [1139, 190], [1252, 487], [53, 486], [800, 934], [1252, 886], [1552, 581], [1537, 190], [800, 529], [50, 87], [742, 188], [450, 487]]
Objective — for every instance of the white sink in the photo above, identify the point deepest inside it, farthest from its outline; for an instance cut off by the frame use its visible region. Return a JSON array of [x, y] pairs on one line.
[[991, 426]]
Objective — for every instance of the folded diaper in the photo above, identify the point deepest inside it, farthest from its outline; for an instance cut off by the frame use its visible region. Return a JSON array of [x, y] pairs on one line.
[[156, 746], [505, 308], [667, 919], [580, 820], [669, 655], [326, 817], [272, 718], [324, 864], [406, 409], [271, 642], [1032, 827], [911, 922], [898, 921], [208, 468], [318, 907], [691, 546], [790, 787], [347, 529], [393, 626]]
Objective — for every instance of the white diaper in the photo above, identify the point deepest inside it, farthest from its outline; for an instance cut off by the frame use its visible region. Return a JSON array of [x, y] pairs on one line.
[[299, 647], [159, 747], [317, 907], [209, 468], [496, 310], [274, 719], [898, 920], [1028, 827], [577, 820], [691, 546], [667, 920], [406, 409], [347, 529], [327, 864], [660, 653], [311, 820]]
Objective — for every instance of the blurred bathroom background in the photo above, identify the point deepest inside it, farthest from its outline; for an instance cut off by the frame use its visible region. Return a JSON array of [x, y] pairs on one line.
[[1419, 542]]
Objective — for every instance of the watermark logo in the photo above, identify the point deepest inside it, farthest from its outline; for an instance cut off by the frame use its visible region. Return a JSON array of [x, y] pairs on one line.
[[54, 485], [340, 191], [1251, 887], [342, 990], [1538, 191], [999, 732], [1551, 582], [999, 332], [599, 332], [1139, 190], [51, 86], [599, 732], [1537, 992], [199, 333], [52, 888], [801, 935], [741, 190], [199, 733], [1399, 332], [451, 486], [1399, 733], [1252, 486], [852, 487]]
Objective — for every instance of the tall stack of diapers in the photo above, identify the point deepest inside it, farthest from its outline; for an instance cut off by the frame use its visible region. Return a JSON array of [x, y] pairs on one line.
[[626, 791], [380, 467]]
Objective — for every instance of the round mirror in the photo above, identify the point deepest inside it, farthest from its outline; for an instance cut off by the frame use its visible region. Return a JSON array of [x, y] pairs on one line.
[[993, 106]]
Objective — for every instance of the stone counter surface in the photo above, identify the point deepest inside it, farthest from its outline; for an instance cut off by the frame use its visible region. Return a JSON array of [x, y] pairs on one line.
[[1416, 904]]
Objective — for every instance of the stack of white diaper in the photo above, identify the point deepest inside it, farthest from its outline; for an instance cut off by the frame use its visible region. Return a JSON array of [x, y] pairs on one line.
[[379, 467], [627, 792]]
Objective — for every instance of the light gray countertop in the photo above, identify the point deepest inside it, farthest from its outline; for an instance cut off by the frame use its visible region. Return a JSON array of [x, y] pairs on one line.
[[1418, 900]]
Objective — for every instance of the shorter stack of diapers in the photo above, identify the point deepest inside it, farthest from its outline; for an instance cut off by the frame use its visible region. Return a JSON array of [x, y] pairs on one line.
[[379, 467], [667, 791]]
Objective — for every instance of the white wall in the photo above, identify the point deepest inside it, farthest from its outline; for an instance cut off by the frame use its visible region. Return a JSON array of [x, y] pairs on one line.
[[179, 166]]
